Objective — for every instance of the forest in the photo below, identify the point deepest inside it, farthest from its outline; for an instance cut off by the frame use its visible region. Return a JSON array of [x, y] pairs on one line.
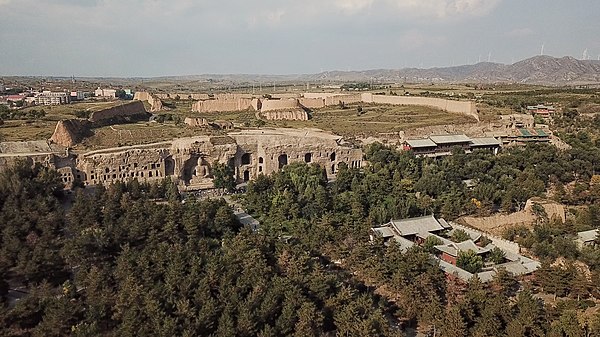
[[132, 259]]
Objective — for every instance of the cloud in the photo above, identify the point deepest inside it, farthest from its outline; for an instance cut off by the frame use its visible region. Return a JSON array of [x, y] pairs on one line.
[[424, 8], [4, 2], [520, 32], [268, 17], [414, 40], [353, 6]]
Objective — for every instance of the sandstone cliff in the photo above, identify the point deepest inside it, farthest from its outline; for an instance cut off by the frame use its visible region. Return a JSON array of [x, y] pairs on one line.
[[70, 132], [123, 113], [154, 101]]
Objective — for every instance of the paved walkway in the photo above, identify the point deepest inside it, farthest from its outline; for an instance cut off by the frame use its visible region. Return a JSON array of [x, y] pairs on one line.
[[243, 217]]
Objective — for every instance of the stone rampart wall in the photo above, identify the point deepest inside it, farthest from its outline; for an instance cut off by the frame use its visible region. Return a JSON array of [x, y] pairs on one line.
[[312, 103], [284, 96], [320, 94], [462, 107], [344, 99], [183, 96], [279, 104], [217, 105], [233, 96]]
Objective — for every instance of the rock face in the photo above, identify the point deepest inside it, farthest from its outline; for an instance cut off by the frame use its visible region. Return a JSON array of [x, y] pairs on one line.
[[189, 160], [124, 113], [70, 132], [154, 101]]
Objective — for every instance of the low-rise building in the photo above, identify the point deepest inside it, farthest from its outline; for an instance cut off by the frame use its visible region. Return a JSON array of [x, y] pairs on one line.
[[486, 143], [52, 98], [545, 111], [445, 143], [442, 145], [421, 147], [107, 93], [15, 98], [587, 238], [522, 136]]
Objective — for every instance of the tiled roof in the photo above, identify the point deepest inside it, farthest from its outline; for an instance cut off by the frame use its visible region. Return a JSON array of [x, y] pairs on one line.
[[588, 236], [485, 141], [417, 143], [385, 232], [413, 226], [450, 139]]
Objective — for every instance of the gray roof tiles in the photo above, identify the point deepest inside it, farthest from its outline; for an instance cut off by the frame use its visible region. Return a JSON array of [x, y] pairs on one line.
[[420, 143], [485, 141], [588, 236], [414, 226], [449, 139]]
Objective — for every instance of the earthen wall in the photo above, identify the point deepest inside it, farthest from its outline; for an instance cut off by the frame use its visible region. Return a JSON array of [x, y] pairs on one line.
[[312, 103], [279, 104], [344, 99], [462, 107], [218, 105]]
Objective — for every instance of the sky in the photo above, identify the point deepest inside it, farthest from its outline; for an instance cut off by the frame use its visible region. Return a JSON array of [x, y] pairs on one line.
[[146, 38]]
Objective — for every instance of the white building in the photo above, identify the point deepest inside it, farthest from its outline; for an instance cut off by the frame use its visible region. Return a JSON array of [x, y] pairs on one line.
[[111, 93], [52, 98]]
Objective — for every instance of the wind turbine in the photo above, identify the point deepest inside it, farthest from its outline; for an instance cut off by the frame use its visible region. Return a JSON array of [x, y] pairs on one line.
[[542, 51]]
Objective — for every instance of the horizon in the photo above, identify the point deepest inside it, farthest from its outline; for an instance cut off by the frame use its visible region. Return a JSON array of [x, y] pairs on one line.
[[64, 76]]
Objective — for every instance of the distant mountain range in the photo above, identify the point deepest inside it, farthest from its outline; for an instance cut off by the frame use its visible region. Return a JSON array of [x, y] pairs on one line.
[[545, 70], [535, 70]]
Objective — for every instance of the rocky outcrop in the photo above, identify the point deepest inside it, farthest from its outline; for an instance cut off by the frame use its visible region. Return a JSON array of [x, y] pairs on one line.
[[154, 101], [70, 132], [124, 113], [188, 161]]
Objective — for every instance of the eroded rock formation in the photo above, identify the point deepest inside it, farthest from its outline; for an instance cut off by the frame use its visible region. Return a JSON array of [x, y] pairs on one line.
[[124, 113], [72, 131], [189, 160], [156, 104]]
